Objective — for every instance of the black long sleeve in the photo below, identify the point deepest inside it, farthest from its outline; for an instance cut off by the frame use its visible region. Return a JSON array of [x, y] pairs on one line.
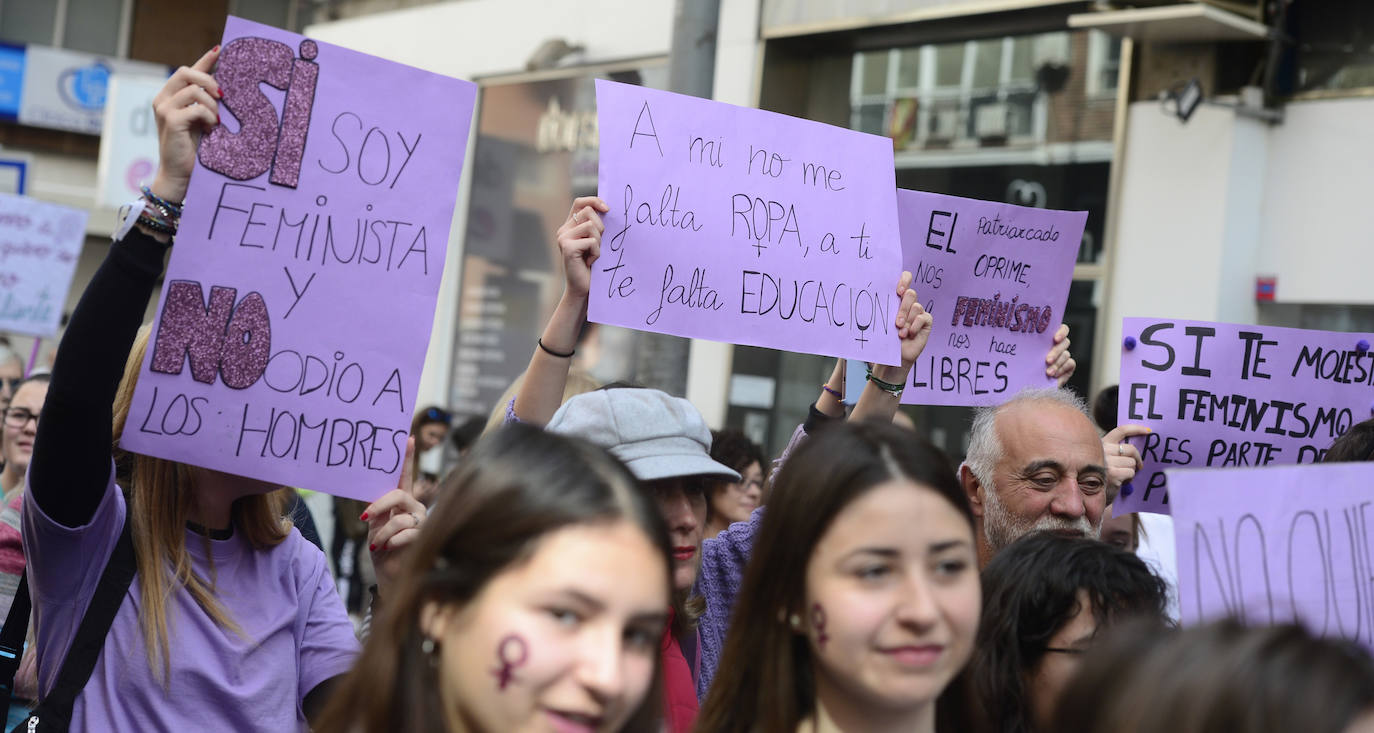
[[70, 467]]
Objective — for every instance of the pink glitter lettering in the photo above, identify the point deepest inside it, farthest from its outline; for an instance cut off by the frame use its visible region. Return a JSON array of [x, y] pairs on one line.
[[190, 328], [295, 122], [243, 64], [247, 343]]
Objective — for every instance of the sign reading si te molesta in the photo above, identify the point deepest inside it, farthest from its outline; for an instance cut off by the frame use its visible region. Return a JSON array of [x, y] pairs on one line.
[[995, 278], [745, 226], [1270, 545], [300, 295], [1220, 394]]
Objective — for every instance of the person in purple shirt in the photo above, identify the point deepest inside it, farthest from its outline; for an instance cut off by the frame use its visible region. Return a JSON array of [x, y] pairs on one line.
[[232, 622]]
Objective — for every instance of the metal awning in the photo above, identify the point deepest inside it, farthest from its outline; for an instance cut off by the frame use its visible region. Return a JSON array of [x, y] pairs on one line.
[[1186, 23]]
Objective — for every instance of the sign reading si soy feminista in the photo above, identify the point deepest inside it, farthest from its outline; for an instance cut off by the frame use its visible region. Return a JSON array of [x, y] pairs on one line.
[[745, 226], [1270, 545], [995, 277], [301, 292], [39, 246], [1221, 394]]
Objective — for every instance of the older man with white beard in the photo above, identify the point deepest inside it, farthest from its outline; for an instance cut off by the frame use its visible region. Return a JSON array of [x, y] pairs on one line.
[[1036, 463]]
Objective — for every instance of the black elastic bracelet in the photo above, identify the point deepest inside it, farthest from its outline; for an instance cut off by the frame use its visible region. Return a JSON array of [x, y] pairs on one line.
[[893, 389], [551, 352]]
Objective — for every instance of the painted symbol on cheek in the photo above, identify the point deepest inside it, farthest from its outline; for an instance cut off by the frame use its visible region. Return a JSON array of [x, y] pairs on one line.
[[818, 622], [511, 653]]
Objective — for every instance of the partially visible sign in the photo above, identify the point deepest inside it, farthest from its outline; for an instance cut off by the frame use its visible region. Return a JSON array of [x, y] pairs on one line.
[[66, 90], [1272, 545], [11, 80], [39, 246], [128, 139], [1222, 395]]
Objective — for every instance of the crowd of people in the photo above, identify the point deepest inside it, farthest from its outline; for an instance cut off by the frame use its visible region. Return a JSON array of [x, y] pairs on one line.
[[600, 560]]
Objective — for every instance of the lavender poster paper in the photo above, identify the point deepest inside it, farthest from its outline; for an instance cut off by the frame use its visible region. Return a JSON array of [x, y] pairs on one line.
[[39, 245], [745, 226], [995, 277], [1277, 544], [299, 299], [1227, 395]]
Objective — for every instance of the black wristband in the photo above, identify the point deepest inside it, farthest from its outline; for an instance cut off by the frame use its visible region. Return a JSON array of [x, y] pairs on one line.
[[815, 420], [551, 352]]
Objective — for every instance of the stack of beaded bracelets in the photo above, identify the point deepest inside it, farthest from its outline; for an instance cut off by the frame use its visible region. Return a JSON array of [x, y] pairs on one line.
[[159, 214], [893, 389]]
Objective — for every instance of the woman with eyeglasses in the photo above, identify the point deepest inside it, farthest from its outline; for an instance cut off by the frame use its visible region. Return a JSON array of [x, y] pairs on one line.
[[11, 374], [20, 427], [1046, 598]]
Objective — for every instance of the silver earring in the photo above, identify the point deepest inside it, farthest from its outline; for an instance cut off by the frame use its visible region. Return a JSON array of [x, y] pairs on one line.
[[795, 621], [427, 646]]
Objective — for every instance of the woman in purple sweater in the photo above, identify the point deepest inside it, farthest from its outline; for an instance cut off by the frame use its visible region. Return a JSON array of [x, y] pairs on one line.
[[232, 621]]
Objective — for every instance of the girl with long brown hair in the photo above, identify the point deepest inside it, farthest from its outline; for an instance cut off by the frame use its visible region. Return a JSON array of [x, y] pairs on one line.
[[534, 599], [231, 621], [860, 603]]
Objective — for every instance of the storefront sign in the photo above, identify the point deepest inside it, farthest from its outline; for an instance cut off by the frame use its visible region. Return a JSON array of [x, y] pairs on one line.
[[66, 90]]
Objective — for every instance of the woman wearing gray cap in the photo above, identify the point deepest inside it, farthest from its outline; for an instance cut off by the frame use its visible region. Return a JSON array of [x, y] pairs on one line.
[[666, 443]]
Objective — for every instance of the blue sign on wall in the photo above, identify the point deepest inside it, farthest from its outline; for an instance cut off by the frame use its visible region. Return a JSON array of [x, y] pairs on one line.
[[11, 80]]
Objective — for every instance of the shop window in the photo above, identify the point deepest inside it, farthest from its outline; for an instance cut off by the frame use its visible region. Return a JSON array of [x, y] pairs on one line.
[[908, 68], [987, 64], [28, 21], [92, 26], [873, 68], [1104, 63], [1319, 316], [1335, 45], [970, 94], [1022, 60]]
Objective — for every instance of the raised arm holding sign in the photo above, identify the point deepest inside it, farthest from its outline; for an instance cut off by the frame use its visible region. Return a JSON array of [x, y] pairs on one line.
[[1226, 395], [214, 561]]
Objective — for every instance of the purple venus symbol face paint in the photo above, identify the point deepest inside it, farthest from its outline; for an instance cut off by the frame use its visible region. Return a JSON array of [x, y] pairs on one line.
[[512, 652], [818, 622]]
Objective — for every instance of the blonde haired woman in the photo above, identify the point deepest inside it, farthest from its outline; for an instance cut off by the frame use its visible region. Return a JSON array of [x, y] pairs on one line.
[[231, 621]]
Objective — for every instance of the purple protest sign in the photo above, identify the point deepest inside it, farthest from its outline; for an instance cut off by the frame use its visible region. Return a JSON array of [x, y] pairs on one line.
[[995, 277], [745, 226], [1277, 544], [39, 245], [1220, 394], [301, 291]]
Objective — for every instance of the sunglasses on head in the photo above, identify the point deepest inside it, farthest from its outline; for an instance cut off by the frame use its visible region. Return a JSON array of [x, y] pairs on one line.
[[435, 413]]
